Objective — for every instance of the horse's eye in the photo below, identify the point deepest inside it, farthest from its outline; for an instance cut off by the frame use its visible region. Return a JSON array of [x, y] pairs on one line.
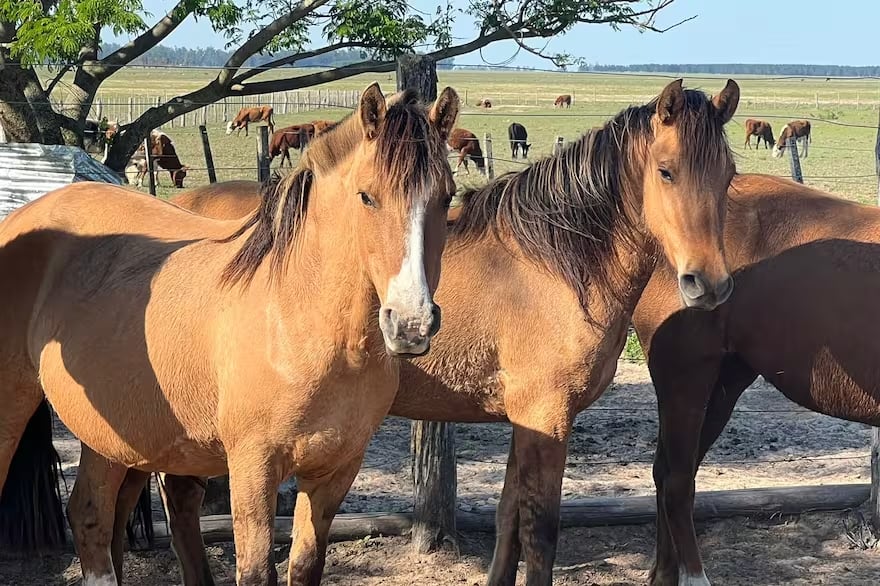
[[447, 201], [666, 175], [368, 201]]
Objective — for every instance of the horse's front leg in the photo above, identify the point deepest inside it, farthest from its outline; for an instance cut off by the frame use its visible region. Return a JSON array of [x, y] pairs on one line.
[[508, 547], [540, 443], [254, 476], [316, 504], [91, 512]]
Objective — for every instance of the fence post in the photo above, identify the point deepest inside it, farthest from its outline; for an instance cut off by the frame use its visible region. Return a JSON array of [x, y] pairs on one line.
[[209, 157], [795, 159], [490, 158], [432, 443], [130, 109], [151, 164], [558, 145], [263, 155], [875, 478]]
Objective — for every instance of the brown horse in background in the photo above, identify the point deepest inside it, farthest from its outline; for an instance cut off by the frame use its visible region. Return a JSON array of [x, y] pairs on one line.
[[129, 315], [468, 146], [762, 130], [323, 125], [807, 285], [563, 101], [579, 234], [291, 137], [797, 129], [254, 115]]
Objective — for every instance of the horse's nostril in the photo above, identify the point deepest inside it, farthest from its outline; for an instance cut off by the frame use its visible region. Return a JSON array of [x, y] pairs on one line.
[[435, 320], [692, 285]]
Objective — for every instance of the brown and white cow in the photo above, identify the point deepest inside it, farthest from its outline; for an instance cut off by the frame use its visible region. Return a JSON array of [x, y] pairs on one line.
[[484, 103], [164, 156], [797, 129], [254, 115], [467, 145], [760, 129], [563, 101]]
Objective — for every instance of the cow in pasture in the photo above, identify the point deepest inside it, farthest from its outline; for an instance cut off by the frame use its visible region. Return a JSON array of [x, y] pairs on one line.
[[797, 129], [164, 155], [563, 101], [467, 145], [484, 103], [254, 115], [760, 129], [518, 136], [291, 137]]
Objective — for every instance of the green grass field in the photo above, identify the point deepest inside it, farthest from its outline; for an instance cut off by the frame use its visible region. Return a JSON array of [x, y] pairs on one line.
[[841, 157]]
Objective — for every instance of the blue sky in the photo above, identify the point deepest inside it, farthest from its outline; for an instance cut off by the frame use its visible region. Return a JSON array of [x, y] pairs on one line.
[[743, 31]]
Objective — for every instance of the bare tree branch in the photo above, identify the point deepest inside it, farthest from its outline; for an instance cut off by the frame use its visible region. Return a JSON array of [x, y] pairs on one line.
[[57, 78], [294, 58], [259, 41], [143, 43]]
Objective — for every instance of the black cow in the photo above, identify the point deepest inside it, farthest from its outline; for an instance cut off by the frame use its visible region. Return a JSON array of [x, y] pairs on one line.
[[518, 136]]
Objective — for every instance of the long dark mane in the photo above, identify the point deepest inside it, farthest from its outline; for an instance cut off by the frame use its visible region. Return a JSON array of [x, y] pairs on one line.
[[569, 213], [408, 149]]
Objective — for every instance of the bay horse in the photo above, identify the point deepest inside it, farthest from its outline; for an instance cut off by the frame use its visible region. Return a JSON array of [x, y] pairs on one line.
[[570, 242], [805, 264], [159, 338], [468, 146], [762, 130], [563, 101], [797, 129], [291, 137], [254, 115]]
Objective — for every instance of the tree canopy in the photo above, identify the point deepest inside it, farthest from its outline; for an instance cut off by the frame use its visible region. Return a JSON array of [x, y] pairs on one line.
[[260, 35]]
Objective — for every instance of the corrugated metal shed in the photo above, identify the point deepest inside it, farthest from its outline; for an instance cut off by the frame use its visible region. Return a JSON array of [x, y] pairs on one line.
[[29, 170]]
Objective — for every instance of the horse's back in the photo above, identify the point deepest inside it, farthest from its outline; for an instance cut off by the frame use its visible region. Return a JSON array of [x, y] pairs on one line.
[[229, 200]]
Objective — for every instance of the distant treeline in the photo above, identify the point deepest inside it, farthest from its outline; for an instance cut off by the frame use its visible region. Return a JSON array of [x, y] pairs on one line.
[[211, 57], [743, 69]]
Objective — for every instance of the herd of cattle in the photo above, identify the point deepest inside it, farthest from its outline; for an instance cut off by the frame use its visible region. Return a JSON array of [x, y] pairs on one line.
[[99, 135]]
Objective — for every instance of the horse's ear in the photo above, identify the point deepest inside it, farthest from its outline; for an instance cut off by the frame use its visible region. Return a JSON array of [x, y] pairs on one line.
[[372, 110], [727, 101], [444, 112], [671, 102]]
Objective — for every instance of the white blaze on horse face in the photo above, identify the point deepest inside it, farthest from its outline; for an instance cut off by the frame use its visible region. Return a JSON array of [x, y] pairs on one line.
[[229, 128], [777, 152]]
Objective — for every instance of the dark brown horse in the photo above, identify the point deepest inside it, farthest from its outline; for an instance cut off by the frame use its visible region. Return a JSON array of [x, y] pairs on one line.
[[762, 130], [563, 101], [799, 130], [807, 283], [651, 182], [292, 137], [468, 146]]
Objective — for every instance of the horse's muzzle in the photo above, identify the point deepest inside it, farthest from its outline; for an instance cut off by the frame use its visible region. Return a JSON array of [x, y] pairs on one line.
[[409, 336], [700, 293]]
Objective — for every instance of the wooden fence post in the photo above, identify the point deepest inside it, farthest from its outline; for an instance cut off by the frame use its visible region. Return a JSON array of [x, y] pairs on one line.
[[130, 110], [795, 160], [263, 155], [875, 478], [432, 443], [490, 157], [209, 157], [558, 145], [151, 171]]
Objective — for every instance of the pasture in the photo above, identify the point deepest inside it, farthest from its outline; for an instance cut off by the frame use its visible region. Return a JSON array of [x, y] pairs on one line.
[[844, 114], [768, 443]]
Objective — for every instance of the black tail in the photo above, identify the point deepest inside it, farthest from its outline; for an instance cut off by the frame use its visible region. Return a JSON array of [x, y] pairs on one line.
[[140, 523], [31, 515]]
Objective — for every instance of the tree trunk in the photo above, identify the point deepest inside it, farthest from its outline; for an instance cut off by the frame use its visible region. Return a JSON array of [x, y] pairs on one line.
[[432, 443]]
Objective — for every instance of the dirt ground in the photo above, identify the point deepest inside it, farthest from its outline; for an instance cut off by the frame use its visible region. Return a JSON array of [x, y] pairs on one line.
[[610, 455]]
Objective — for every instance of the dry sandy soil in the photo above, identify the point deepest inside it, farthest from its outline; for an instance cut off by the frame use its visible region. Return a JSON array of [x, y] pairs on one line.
[[610, 456]]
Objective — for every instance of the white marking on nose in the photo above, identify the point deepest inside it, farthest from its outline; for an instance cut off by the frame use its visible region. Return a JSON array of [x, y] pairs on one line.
[[408, 290]]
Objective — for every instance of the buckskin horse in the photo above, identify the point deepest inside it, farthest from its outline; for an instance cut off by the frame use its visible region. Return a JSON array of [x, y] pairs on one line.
[[579, 234], [159, 338], [806, 268]]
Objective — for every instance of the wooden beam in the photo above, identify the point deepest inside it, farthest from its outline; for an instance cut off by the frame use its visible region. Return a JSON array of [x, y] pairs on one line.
[[588, 512]]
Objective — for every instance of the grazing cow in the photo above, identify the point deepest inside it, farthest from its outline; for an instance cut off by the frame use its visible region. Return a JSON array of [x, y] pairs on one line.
[[467, 145], [95, 135], [164, 156], [292, 137], [762, 130], [323, 125], [247, 115], [563, 101], [484, 103], [797, 129], [518, 135]]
